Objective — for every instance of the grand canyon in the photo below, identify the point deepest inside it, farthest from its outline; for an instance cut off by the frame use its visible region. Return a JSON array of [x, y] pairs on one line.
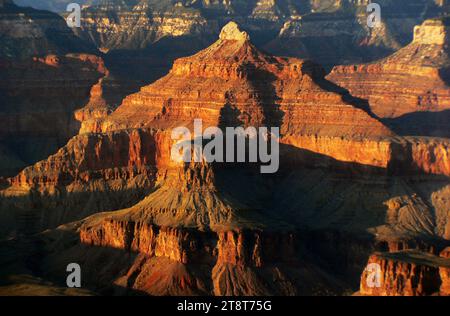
[[360, 203]]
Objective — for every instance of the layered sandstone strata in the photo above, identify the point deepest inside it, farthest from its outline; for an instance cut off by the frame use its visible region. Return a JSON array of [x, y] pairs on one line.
[[407, 273], [185, 261], [414, 80], [46, 73], [232, 83], [226, 84], [240, 247], [27, 32], [337, 32], [204, 228], [32, 98], [93, 172], [332, 32], [143, 22], [112, 155], [97, 106], [444, 273], [431, 155]]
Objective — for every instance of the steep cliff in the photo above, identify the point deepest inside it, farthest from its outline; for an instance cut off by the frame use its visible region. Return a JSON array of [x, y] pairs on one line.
[[407, 273], [233, 78], [232, 83], [227, 85], [46, 73], [93, 172], [444, 273], [347, 186], [331, 32], [409, 88], [175, 261], [27, 32]]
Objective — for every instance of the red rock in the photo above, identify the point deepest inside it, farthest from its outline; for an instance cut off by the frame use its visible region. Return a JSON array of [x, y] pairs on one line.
[[406, 273], [444, 273], [32, 98], [414, 79], [197, 231]]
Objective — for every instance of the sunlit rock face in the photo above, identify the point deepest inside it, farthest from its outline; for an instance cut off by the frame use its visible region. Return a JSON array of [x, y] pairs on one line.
[[232, 81], [27, 32], [330, 32], [406, 273], [410, 88], [352, 189], [348, 187]]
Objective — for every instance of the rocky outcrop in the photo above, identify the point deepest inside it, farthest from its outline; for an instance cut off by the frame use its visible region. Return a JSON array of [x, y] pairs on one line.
[[97, 107], [117, 155], [307, 29], [408, 84], [91, 173], [444, 273], [337, 32], [46, 73], [378, 153], [231, 262], [32, 98], [430, 155], [247, 87], [210, 228], [406, 273], [144, 22], [232, 83], [226, 84], [27, 32]]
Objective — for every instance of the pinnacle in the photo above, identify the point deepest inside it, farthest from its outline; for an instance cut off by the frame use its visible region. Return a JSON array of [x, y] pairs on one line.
[[232, 32]]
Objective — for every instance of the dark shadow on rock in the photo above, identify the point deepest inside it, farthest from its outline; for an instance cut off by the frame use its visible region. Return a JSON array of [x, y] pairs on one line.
[[39, 105], [445, 75], [266, 94], [35, 212], [433, 124], [282, 201], [229, 114], [318, 76]]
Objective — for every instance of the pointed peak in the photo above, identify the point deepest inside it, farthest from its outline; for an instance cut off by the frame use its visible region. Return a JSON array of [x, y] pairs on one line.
[[232, 32]]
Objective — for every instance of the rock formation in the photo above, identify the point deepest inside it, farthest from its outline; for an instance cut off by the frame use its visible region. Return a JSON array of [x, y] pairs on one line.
[[348, 187], [444, 273], [231, 82], [38, 47], [331, 32], [407, 273], [410, 88], [231, 263], [27, 32], [32, 97]]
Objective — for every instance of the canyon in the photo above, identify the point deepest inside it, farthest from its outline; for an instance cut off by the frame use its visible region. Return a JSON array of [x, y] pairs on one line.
[[409, 273], [37, 47], [353, 189], [417, 99], [329, 32]]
